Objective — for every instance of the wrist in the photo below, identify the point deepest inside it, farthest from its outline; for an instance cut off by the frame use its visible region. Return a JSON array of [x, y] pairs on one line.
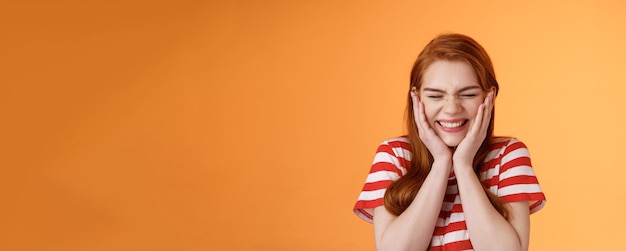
[[462, 167], [442, 163]]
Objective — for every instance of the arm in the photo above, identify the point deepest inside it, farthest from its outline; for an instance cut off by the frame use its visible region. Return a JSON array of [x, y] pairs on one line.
[[488, 229], [413, 229]]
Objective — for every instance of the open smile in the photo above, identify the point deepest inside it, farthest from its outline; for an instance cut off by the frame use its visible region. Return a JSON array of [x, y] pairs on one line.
[[453, 126]]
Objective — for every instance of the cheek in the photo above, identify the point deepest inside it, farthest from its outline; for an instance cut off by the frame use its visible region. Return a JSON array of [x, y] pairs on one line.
[[472, 109], [431, 112]]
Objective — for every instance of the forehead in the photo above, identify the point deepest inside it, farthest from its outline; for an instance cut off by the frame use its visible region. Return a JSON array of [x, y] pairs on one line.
[[449, 76]]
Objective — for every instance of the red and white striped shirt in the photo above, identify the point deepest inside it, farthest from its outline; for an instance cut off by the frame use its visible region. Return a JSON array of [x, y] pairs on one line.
[[507, 172]]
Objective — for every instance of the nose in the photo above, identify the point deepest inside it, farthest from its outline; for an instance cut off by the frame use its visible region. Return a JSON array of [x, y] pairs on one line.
[[452, 105]]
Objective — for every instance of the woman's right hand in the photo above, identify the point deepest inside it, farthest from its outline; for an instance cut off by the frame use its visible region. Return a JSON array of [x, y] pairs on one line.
[[429, 137]]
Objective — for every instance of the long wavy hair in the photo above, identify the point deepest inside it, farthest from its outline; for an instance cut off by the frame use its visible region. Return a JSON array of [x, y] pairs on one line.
[[451, 47]]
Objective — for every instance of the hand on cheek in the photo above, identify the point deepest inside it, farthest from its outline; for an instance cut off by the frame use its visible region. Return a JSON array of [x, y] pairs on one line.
[[429, 137], [467, 149]]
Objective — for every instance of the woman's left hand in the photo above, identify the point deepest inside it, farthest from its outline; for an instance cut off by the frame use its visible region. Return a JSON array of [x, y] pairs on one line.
[[465, 152]]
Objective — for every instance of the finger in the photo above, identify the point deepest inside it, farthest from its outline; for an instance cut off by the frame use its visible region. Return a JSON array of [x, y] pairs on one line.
[[478, 120], [417, 108], [426, 132], [417, 112], [415, 102], [423, 124], [419, 120], [487, 113], [481, 121]]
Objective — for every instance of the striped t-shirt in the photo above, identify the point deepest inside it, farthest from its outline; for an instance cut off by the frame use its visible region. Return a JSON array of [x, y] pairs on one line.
[[507, 172]]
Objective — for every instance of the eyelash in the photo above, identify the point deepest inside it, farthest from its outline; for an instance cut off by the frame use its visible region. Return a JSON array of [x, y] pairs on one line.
[[462, 95]]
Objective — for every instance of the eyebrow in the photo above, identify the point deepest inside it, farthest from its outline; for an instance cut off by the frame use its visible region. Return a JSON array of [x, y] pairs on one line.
[[461, 90]]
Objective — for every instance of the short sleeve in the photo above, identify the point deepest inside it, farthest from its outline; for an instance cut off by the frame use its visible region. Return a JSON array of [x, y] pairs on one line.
[[390, 162], [517, 180]]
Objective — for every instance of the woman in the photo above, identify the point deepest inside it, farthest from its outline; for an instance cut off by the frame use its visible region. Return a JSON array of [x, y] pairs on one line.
[[450, 184]]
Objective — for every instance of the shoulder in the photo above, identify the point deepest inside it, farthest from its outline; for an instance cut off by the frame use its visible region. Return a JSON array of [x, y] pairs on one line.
[[504, 142], [400, 141], [503, 149], [396, 146], [505, 145]]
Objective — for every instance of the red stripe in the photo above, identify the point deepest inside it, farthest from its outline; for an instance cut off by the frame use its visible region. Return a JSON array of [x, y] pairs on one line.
[[393, 144], [493, 181], [384, 166], [385, 149], [454, 226], [506, 146], [449, 197], [513, 147], [404, 163], [499, 145], [456, 208], [536, 204], [361, 204], [518, 180], [365, 213], [373, 186], [399, 144], [523, 197], [444, 214], [457, 245], [490, 164], [520, 161]]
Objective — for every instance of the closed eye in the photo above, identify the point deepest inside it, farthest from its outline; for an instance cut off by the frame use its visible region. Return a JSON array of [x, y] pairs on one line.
[[470, 95], [435, 96]]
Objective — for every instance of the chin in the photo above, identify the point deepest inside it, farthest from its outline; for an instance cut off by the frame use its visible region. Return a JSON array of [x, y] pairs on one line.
[[452, 142]]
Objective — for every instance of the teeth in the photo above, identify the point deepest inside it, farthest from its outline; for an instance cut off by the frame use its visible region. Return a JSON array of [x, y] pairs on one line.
[[451, 125]]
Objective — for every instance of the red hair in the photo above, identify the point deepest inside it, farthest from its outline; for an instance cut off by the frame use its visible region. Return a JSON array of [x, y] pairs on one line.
[[452, 47]]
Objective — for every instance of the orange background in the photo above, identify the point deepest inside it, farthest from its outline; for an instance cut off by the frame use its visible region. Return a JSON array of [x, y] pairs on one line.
[[251, 125]]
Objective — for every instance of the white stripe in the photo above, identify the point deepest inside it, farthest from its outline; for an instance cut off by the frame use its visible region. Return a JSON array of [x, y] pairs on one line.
[[519, 189], [489, 174], [493, 154], [513, 172], [450, 237], [403, 153], [517, 153], [451, 190], [517, 171], [372, 195], [494, 189], [457, 217], [388, 158], [454, 217], [382, 175]]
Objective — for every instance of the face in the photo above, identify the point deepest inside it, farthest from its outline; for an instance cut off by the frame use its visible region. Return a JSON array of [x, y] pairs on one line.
[[451, 95]]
